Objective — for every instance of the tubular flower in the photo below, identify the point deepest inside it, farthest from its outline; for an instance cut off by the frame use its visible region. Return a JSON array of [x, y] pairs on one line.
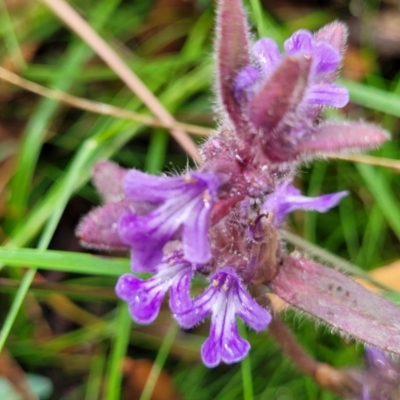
[[224, 299], [182, 207], [325, 60], [288, 198], [145, 296]]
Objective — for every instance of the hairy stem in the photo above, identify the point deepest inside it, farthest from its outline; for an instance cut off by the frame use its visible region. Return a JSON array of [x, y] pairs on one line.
[[338, 381], [292, 348]]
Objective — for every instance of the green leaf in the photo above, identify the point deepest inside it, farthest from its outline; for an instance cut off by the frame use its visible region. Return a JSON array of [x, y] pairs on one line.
[[370, 97], [64, 261]]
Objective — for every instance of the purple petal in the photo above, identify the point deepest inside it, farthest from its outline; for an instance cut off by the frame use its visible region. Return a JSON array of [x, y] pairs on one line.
[[108, 178], [326, 58], [378, 360], [99, 228], [147, 259], [301, 40], [267, 54], [223, 344], [149, 188], [328, 95], [232, 53], [179, 295], [280, 94], [335, 35], [243, 85], [287, 198], [199, 310], [146, 235], [331, 137], [185, 212], [144, 297], [224, 299], [251, 312], [196, 246]]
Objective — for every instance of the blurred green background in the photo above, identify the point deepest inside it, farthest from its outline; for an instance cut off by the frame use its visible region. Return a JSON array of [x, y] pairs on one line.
[[68, 332]]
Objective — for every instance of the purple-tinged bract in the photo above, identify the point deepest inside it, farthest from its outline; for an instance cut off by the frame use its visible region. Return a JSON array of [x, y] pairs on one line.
[[345, 305]]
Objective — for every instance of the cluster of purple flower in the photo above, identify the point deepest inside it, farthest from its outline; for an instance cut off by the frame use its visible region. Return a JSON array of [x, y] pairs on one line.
[[221, 220], [380, 378]]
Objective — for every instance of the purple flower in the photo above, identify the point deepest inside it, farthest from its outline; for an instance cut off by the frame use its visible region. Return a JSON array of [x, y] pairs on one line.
[[182, 207], [145, 296], [380, 380], [325, 60], [224, 299], [274, 101], [287, 198]]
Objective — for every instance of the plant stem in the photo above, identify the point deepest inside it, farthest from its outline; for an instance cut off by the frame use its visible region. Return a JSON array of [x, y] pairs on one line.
[[338, 381]]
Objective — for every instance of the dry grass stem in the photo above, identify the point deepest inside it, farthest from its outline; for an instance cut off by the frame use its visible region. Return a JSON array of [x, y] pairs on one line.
[[371, 160], [95, 106], [107, 109], [72, 19]]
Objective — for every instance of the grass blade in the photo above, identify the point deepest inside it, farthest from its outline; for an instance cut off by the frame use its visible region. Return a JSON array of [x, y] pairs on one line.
[[64, 261], [121, 339], [247, 378], [159, 361]]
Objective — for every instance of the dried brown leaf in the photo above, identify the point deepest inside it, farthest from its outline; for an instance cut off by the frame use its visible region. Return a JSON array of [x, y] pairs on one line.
[[388, 275], [356, 65], [136, 373]]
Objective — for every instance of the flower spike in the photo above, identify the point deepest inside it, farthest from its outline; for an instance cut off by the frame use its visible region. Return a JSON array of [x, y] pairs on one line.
[[222, 219]]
